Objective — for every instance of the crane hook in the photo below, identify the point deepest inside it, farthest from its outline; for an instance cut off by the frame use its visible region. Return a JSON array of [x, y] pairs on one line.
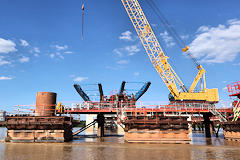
[[82, 18]]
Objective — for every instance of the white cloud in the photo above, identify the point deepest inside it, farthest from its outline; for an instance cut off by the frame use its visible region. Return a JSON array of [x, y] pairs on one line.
[[24, 59], [7, 46], [127, 50], [184, 36], [217, 44], [68, 52], [234, 21], [36, 49], [167, 39], [154, 25], [58, 47], [133, 49], [36, 55], [52, 55], [5, 78], [127, 35], [116, 67], [3, 62], [56, 55], [118, 52], [80, 79], [24, 43], [123, 62], [72, 75], [59, 55], [136, 73], [203, 29]]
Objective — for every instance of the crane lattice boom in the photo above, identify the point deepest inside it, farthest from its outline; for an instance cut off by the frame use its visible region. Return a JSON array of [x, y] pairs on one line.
[[159, 59]]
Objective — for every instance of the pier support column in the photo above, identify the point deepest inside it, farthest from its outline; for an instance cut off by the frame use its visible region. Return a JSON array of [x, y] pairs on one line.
[[213, 126], [207, 124], [194, 126], [202, 125], [101, 121], [89, 119]]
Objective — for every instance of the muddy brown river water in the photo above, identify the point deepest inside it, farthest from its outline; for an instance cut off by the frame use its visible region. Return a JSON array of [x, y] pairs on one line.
[[113, 147]]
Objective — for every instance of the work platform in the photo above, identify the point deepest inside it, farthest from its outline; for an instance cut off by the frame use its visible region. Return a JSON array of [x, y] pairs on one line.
[[38, 129], [157, 129], [113, 108], [160, 123]]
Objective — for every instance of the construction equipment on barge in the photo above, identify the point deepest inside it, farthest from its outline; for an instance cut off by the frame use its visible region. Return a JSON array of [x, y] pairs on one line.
[[43, 126], [159, 60], [147, 124], [118, 101], [178, 91]]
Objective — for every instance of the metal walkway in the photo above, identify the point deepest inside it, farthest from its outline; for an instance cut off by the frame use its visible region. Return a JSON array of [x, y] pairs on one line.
[[113, 108]]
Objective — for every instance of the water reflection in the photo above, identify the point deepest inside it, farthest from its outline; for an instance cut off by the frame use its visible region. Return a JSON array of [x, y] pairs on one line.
[[36, 151], [2, 133], [90, 147]]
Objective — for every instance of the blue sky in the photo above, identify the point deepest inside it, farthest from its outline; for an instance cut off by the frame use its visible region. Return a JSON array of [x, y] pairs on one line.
[[41, 47]]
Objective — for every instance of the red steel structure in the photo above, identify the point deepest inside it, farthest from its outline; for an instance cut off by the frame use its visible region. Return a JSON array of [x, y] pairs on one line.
[[112, 107], [234, 89]]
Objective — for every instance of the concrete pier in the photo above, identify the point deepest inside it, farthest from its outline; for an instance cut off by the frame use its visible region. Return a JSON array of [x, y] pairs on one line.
[[89, 119]]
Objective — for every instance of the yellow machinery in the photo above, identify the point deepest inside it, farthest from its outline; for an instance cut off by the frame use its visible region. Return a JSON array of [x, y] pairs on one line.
[[159, 60], [60, 108]]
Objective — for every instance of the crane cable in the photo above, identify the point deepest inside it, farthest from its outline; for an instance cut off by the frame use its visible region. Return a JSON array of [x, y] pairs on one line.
[[171, 30], [166, 24], [82, 18]]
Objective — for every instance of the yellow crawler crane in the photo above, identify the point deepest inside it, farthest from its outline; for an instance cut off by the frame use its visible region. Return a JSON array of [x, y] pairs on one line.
[[159, 60]]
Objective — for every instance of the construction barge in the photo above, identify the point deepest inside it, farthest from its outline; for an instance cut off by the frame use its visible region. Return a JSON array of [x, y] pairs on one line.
[[44, 126], [157, 129], [38, 129], [159, 124]]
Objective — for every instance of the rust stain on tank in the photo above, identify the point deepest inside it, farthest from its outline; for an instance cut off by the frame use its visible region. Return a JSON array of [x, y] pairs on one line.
[[45, 104]]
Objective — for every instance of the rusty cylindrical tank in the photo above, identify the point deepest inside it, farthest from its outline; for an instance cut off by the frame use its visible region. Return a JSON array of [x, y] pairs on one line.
[[45, 104]]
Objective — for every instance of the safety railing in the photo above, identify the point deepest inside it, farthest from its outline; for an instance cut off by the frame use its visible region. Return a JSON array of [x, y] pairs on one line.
[[134, 108], [234, 88]]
